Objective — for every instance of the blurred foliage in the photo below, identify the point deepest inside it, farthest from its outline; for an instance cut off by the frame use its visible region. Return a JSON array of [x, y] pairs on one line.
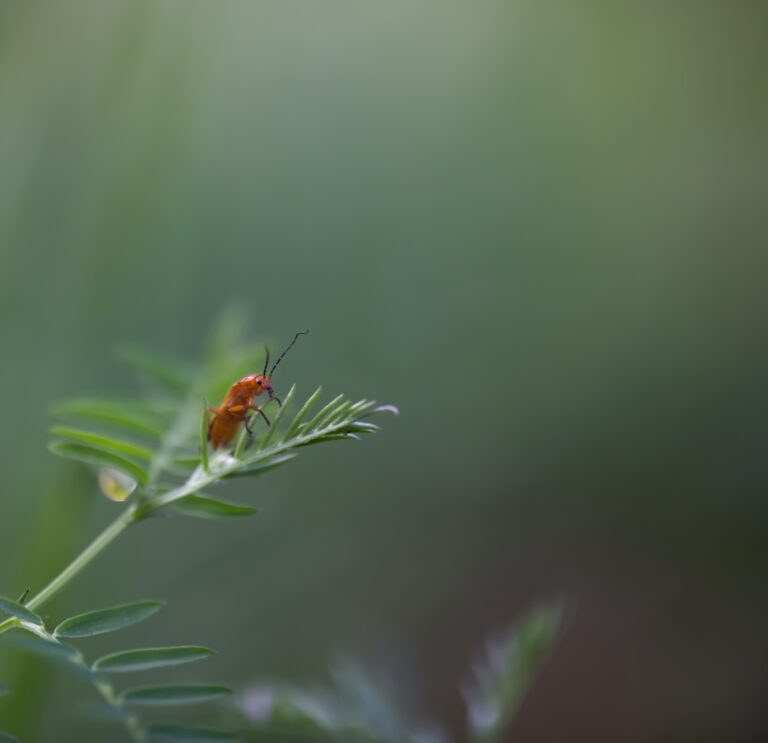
[[503, 676], [357, 708]]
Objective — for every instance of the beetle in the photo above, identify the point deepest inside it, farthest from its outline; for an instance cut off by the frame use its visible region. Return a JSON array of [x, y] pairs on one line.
[[238, 403]]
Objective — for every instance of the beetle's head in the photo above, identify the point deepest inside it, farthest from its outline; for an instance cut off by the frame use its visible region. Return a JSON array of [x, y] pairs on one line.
[[260, 383], [263, 381]]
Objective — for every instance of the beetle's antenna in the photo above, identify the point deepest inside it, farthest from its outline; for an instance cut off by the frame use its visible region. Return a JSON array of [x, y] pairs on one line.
[[266, 362], [290, 345]]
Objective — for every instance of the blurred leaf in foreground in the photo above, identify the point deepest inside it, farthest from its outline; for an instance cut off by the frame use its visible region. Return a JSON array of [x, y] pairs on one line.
[[357, 709], [506, 671]]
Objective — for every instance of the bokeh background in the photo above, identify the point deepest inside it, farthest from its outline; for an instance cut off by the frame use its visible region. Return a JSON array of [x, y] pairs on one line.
[[539, 228]]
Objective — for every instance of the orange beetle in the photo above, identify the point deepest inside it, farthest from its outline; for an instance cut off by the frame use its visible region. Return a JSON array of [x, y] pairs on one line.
[[238, 403]]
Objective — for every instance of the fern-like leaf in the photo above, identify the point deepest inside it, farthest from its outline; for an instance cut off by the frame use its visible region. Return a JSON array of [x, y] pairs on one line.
[[153, 453], [504, 674]]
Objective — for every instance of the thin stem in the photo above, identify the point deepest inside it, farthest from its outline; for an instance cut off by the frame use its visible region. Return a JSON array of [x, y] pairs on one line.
[[125, 519], [130, 721], [102, 684], [177, 434]]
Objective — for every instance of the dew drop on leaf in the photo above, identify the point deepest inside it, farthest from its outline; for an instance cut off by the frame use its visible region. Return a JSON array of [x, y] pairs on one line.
[[116, 485]]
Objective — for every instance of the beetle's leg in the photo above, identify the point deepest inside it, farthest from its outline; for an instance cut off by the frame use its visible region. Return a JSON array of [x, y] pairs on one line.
[[277, 400], [249, 430], [256, 409]]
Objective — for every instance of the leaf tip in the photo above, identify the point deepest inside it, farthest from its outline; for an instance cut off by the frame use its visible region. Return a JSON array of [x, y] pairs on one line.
[[387, 409]]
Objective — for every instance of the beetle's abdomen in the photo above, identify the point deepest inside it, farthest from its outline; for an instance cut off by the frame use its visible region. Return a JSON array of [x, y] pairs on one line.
[[222, 429]]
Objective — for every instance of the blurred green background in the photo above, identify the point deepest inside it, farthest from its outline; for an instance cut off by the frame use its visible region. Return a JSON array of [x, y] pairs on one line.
[[538, 228]]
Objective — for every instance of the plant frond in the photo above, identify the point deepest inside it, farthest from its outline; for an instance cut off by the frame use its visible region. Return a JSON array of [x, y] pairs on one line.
[[506, 671], [154, 453]]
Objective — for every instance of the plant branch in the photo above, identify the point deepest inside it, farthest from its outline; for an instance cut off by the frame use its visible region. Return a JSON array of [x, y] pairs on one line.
[[125, 519], [336, 424], [337, 420], [101, 682]]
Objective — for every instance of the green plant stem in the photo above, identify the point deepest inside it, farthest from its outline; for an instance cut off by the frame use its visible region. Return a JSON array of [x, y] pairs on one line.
[[130, 721], [182, 427], [123, 521], [102, 684], [103, 540]]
